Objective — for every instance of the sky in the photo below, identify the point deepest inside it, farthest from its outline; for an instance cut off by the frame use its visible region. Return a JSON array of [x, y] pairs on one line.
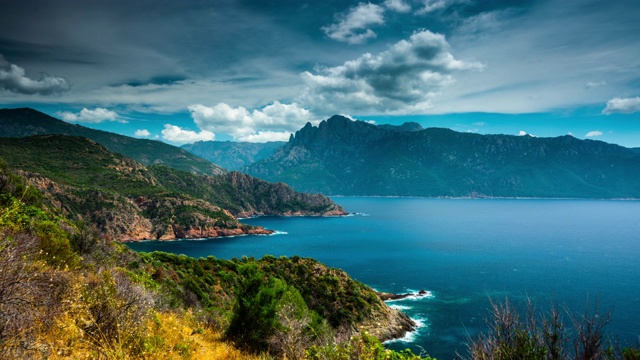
[[258, 70]]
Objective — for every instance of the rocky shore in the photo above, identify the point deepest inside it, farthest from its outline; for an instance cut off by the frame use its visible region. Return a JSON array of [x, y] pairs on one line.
[[384, 296]]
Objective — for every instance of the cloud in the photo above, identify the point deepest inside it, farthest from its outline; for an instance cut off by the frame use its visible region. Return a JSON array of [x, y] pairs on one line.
[[429, 6], [432, 5], [142, 133], [622, 105], [242, 124], [397, 5], [353, 27], [594, 133], [264, 136], [595, 84], [13, 78], [94, 116], [524, 133], [177, 135], [402, 79]]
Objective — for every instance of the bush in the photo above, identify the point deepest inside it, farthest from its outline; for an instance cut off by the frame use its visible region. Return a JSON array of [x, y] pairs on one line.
[[116, 309], [31, 295], [535, 335]]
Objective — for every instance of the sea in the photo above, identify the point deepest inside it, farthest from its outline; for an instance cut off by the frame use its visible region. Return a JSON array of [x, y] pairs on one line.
[[465, 253]]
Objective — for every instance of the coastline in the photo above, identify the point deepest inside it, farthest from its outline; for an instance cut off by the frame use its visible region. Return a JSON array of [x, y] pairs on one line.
[[480, 197]]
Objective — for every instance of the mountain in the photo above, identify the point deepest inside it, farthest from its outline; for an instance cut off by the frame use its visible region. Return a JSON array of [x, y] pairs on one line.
[[233, 155], [28, 122], [83, 180], [346, 157]]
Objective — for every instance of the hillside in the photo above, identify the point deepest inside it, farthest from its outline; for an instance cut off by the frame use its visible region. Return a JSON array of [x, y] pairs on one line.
[[233, 155], [83, 180], [28, 122], [347, 157], [68, 293]]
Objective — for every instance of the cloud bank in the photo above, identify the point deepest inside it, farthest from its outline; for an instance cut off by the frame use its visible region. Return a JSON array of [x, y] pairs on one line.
[[13, 78], [622, 105], [273, 122], [94, 116], [178, 135], [402, 79]]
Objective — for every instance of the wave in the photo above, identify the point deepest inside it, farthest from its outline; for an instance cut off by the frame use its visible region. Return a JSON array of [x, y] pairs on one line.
[[400, 307], [357, 214], [410, 336], [415, 295]]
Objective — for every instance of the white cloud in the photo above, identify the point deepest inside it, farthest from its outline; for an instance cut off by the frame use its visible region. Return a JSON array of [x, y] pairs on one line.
[[14, 79], [432, 5], [353, 27], [142, 133], [622, 105], [264, 136], [177, 135], [595, 84], [402, 79], [276, 118], [397, 5], [524, 133], [594, 133], [94, 116]]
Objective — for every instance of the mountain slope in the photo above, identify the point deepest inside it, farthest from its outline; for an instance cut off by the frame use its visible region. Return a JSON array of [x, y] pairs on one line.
[[128, 201], [233, 155], [347, 157], [28, 122]]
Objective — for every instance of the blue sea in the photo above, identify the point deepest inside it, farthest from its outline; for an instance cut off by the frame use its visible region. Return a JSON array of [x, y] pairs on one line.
[[577, 253]]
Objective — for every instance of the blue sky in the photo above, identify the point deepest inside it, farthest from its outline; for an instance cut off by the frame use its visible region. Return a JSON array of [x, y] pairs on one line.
[[257, 70]]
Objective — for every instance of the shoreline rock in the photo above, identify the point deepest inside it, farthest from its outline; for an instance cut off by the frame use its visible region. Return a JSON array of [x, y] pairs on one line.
[[385, 296]]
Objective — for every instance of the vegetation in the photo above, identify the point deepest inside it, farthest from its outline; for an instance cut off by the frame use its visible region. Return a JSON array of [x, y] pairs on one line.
[[66, 292], [125, 200], [546, 335]]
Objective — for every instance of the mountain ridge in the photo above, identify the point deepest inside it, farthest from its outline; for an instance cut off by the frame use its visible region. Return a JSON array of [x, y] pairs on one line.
[[346, 157], [233, 155], [21, 122]]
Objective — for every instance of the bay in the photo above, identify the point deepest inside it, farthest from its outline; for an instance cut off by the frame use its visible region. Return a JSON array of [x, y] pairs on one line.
[[464, 251]]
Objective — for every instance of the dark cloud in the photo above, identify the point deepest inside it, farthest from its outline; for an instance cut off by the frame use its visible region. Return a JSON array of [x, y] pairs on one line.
[[13, 78]]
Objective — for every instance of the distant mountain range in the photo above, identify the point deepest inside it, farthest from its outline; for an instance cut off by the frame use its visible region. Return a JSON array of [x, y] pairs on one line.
[[28, 122], [233, 155], [345, 157]]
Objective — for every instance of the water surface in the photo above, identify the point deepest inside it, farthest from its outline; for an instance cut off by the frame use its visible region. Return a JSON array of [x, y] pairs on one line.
[[464, 251]]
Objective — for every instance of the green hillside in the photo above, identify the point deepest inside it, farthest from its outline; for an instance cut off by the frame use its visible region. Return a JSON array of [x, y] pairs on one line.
[[128, 201], [28, 122]]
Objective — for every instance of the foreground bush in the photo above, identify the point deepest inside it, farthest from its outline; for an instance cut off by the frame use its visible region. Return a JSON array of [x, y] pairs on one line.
[[546, 335]]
